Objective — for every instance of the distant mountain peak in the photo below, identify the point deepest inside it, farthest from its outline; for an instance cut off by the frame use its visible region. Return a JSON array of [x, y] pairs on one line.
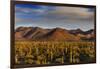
[[79, 30], [57, 28], [38, 33], [37, 28]]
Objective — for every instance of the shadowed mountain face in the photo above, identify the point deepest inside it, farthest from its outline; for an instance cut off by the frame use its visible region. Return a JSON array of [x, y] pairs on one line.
[[55, 34]]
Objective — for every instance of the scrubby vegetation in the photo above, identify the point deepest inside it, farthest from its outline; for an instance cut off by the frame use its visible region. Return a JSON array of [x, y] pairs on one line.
[[54, 52]]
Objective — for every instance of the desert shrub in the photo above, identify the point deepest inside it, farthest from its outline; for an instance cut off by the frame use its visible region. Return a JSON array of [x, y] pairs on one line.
[[48, 52]]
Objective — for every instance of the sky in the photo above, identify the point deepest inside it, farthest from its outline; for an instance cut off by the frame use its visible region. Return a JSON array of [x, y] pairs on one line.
[[47, 16]]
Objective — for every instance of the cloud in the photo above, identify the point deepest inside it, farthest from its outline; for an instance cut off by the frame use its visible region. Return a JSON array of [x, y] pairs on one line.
[[50, 12], [28, 10], [52, 16], [72, 13], [21, 20]]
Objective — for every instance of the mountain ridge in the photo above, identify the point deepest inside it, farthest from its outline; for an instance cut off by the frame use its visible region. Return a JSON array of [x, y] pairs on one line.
[[55, 34]]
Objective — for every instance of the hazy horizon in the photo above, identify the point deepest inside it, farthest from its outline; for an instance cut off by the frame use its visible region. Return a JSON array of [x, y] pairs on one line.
[[54, 16]]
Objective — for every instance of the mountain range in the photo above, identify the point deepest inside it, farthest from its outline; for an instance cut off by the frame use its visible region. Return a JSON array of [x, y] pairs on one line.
[[55, 34]]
